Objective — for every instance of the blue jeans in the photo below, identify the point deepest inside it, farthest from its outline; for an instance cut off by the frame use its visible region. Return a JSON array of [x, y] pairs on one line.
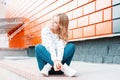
[[44, 57]]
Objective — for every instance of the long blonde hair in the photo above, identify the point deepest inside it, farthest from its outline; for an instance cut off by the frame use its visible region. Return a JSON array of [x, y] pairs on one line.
[[63, 22]]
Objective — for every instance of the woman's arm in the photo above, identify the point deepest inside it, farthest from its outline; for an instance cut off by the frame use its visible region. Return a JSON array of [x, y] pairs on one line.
[[60, 49], [48, 42]]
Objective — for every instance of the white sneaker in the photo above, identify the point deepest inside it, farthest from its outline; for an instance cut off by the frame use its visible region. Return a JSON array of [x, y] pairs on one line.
[[46, 69], [68, 71]]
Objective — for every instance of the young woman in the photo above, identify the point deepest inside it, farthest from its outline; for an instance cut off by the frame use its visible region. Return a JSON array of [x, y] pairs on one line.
[[55, 52]]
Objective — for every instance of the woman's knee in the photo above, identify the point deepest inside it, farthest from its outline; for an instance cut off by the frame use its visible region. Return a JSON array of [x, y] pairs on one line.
[[39, 47], [71, 45]]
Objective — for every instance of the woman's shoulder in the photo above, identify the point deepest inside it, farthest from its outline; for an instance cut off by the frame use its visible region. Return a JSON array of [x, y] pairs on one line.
[[46, 29]]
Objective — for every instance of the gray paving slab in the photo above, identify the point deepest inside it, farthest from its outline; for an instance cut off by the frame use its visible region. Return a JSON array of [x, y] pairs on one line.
[[8, 75]]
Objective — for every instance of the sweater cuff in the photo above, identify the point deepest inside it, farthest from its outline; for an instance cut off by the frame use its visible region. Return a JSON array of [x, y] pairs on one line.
[[59, 58], [54, 58]]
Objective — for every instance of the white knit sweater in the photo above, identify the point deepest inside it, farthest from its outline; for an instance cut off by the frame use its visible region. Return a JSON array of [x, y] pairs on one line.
[[52, 43]]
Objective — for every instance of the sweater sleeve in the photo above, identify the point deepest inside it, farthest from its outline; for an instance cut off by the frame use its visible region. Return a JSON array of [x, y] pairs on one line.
[[48, 42], [60, 49]]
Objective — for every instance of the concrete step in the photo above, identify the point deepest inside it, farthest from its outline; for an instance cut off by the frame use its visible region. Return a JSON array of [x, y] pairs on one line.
[[86, 71], [12, 52]]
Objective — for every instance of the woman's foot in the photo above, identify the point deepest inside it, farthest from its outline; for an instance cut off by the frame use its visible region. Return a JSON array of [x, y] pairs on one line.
[[46, 69], [68, 71]]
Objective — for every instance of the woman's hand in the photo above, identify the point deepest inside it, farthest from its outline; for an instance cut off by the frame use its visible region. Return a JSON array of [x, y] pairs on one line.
[[57, 65]]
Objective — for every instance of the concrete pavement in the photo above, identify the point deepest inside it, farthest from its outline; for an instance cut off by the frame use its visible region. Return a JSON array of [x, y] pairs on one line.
[[86, 71], [8, 75]]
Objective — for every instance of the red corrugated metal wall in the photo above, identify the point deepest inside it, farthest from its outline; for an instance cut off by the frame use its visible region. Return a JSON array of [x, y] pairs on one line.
[[88, 18]]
